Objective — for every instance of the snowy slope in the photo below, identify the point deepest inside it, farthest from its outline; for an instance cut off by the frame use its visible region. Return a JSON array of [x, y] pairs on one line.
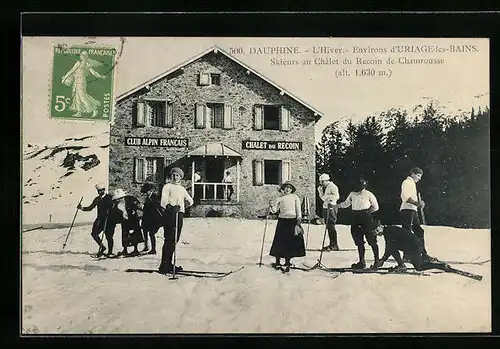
[[57, 175], [69, 292]]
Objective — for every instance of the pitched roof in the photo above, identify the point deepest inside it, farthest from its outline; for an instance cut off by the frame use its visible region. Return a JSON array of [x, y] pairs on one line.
[[214, 149], [216, 49]]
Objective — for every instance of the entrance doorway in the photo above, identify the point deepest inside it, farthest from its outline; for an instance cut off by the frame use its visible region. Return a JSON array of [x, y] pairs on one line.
[[214, 169]]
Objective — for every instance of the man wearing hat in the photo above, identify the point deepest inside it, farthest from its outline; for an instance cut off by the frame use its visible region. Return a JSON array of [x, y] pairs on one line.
[[103, 203], [287, 243], [409, 206], [173, 199], [363, 203], [329, 193]]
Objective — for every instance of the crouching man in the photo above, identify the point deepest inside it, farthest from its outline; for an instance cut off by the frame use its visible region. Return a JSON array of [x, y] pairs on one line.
[[400, 239]]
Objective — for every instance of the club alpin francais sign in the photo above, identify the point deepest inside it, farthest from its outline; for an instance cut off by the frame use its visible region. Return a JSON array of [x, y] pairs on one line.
[[157, 142]]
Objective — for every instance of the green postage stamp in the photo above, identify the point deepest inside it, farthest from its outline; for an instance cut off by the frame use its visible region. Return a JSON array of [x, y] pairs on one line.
[[82, 82]]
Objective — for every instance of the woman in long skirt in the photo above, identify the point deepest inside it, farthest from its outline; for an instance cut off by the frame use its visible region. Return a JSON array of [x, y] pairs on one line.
[[287, 243]]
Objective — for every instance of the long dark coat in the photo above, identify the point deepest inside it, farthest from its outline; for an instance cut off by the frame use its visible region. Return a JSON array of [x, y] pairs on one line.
[[131, 228]]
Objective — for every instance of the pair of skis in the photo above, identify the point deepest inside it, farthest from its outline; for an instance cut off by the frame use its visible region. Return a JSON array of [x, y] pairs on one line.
[[194, 273], [392, 271]]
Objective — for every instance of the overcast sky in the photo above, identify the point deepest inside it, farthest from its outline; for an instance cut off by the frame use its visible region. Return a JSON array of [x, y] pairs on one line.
[[453, 83]]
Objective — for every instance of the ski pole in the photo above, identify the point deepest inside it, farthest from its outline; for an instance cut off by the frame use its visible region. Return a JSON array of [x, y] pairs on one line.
[[73, 222], [324, 234], [308, 212], [175, 244], [422, 211], [263, 238]]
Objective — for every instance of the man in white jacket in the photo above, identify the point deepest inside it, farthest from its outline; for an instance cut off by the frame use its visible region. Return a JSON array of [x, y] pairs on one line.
[[409, 206], [329, 193]]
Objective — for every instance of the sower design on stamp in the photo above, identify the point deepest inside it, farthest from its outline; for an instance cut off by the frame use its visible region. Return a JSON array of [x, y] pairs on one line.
[[82, 82]]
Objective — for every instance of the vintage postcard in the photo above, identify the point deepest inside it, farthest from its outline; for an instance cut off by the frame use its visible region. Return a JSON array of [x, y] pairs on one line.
[[255, 185]]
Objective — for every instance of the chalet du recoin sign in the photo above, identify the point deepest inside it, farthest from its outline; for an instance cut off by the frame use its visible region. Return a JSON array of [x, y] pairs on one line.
[[271, 145]]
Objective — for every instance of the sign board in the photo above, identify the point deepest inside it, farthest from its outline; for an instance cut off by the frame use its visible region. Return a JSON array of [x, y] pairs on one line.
[[271, 145], [157, 142]]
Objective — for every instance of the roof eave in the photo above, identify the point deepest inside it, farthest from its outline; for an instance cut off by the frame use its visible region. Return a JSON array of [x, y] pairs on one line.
[[216, 50]]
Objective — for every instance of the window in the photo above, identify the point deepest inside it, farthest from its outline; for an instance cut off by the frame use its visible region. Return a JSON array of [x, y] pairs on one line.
[[271, 171], [155, 113], [215, 79], [271, 117], [215, 114], [148, 170], [206, 79]]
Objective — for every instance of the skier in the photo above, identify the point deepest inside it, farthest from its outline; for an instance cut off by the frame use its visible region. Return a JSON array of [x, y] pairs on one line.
[[103, 203], [408, 209], [152, 217], [329, 193], [401, 239], [287, 243], [363, 203], [124, 211], [173, 199]]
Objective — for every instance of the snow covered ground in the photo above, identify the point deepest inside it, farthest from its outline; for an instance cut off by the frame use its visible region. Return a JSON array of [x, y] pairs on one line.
[[69, 292]]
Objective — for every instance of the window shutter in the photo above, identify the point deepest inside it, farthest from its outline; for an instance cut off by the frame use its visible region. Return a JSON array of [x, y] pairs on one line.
[[140, 114], [286, 174], [284, 118], [258, 121], [204, 79], [155, 168], [149, 114], [169, 114], [258, 172], [139, 170], [228, 117], [200, 116], [209, 117], [144, 170]]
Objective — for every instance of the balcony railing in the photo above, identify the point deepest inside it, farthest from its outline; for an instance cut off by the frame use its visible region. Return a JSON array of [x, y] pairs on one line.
[[214, 191]]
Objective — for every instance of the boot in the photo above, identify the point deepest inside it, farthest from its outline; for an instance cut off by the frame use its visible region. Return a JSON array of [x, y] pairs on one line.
[[101, 251], [359, 265], [377, 264]]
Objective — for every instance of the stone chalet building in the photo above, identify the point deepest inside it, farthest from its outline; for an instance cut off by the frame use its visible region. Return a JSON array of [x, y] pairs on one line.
[[209, 115]]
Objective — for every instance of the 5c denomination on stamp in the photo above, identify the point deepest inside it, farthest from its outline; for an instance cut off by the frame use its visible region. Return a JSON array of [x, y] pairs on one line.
[[82, 82]]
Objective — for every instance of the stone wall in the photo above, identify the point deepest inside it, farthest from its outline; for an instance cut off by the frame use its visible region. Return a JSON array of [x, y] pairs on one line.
[[242, 91]]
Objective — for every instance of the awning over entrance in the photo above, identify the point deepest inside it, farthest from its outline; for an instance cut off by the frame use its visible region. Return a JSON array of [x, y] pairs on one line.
[[214, 149]]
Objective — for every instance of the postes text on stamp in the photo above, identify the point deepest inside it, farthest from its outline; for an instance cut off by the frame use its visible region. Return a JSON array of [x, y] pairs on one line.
[[82, 82]]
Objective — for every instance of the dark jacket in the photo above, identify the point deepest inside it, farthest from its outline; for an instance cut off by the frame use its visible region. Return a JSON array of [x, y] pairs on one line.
[[103, 205], [404, 240]]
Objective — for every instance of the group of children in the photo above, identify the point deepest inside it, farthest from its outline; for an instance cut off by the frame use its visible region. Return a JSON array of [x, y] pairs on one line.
[[167, 210]]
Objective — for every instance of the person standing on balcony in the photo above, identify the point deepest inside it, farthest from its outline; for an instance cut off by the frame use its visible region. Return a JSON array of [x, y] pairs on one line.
[[228, 179]]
